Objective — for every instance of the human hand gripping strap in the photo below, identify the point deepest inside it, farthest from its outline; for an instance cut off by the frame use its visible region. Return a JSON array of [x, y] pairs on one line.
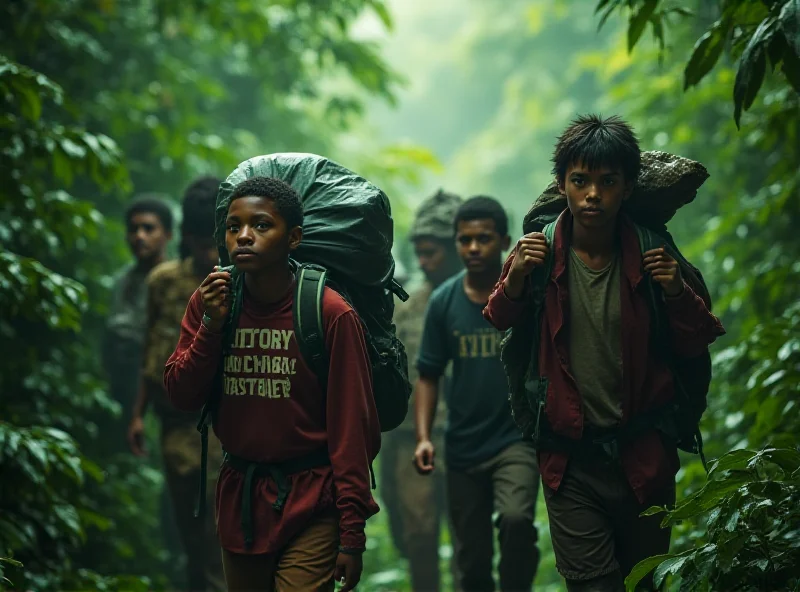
[[209, 409], [519, 350], [536, 384], [649, 240]]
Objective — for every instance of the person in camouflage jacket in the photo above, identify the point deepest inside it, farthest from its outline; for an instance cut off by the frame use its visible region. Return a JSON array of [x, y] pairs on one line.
[[169, 288], [415, 503]]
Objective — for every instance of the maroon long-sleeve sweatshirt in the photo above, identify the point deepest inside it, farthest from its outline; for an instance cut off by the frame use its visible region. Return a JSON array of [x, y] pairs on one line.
[[272, 409]]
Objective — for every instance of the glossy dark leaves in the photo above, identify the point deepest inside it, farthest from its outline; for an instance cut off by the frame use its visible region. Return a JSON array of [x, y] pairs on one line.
[[706, 52]]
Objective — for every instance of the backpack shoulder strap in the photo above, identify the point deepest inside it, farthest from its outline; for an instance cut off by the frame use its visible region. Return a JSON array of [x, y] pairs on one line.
[[307, 315], [647, 238], [549, 232], [539, 280], [541, 276], [650, 240]]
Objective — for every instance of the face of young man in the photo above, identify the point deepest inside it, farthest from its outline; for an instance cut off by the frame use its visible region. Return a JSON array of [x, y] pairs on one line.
[[146, 236], [479, 245], [595, 196], [257, 237], [433, 260]]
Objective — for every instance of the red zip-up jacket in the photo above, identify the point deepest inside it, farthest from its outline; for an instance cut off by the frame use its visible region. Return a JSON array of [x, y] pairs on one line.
[[647, 381], [273, 409]]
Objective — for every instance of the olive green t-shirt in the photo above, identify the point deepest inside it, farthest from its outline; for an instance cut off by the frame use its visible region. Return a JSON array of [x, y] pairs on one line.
[[595, 341]]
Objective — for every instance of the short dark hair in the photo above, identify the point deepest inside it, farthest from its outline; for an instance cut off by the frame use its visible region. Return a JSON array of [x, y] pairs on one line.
[[287, 200], [598, 142], [483, 207], [198, 205], [150, 203]]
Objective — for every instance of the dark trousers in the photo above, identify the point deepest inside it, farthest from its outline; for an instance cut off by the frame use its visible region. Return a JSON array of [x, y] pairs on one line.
[[595, 526], [507, 484]]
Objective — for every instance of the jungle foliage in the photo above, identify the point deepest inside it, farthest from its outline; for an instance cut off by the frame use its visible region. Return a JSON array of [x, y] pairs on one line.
[[101, 99]]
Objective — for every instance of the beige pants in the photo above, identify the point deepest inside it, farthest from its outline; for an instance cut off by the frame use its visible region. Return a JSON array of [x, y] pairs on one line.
[[308, 562]]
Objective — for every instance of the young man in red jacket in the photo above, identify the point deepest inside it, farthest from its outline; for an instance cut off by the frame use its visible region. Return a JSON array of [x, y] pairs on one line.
[[293, 494], [595, 351]]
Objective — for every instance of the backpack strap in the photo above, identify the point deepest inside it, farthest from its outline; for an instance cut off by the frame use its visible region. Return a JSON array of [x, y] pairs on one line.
[[538, 286], [308, 327], [307, 313], [536, 384], [549, 232], [649, 240]]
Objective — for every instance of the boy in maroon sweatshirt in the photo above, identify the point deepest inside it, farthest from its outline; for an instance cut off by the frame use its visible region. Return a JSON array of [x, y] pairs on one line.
[[596, 354], [293, 494]]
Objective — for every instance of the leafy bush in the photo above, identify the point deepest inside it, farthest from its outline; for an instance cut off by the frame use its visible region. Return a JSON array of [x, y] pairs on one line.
[[751, 509]]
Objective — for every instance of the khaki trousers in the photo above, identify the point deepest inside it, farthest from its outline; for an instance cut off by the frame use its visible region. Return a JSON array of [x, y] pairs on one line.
[[307, 563]]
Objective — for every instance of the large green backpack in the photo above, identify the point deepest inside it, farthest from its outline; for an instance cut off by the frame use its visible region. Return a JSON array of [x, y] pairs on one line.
[[519, 351], [347, 245], [347, 242]]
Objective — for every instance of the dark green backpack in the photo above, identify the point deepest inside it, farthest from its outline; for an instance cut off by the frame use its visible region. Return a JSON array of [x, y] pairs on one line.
[[347, 245], [519, 351], [347, 241]]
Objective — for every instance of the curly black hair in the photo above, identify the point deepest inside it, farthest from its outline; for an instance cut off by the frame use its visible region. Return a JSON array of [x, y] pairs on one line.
[[597, 142], [151, 203], [482, 207], [286, 199]]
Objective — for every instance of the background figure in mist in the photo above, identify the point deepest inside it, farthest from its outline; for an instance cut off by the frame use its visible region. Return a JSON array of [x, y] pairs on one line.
[[169, 288], [148, 225], [415, 503]]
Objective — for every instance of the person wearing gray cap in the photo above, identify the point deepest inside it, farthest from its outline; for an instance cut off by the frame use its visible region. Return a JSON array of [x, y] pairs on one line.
[[415, 504]]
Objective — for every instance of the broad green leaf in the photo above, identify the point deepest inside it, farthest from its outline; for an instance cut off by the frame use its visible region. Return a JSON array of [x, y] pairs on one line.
[[12, 562], [752, 66], [706, 53], [786, 458], [608, 11], [789, 18], [736, 459], [639, 21], [710, 495], [644, 567], [653, 510], [672, 566], [733, 521]]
